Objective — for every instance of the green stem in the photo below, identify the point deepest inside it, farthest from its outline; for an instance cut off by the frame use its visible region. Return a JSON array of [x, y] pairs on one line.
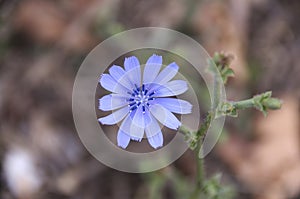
[[199, 161], [262, 102], [200, 175], [249, 103], [200, 168], [216, 91]]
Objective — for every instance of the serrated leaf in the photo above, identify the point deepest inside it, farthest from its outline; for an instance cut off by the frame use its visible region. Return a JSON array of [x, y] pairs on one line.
[[228, 72]]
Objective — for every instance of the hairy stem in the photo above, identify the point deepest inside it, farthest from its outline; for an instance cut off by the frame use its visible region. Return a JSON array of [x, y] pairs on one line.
[[262, 102], [249, 103], [200, 168]]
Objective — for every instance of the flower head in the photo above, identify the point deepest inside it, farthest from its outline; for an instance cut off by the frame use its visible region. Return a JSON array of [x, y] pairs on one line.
[[142, 101]]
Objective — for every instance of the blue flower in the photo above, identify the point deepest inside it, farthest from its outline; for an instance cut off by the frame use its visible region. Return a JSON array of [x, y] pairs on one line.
[[142, 101]]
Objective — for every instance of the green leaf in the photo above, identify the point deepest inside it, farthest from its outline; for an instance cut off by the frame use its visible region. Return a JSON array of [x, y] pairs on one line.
[[226, 73], [221, 62]]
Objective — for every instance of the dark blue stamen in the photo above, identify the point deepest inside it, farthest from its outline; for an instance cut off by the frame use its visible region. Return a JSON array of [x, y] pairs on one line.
[[152, 93], [133, 108], [139, 97], [136, 91], [131, 104]]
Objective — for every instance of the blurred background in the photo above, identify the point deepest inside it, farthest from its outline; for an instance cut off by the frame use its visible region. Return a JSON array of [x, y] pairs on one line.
[[42, 44]]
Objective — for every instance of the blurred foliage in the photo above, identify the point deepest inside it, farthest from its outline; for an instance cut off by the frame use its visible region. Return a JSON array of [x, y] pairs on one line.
[[215, 190]]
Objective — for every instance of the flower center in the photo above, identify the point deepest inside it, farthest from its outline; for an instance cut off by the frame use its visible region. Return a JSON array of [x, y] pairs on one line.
[[140, 97]]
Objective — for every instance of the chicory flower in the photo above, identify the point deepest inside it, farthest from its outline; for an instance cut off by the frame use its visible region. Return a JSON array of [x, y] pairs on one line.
[[142, 101]]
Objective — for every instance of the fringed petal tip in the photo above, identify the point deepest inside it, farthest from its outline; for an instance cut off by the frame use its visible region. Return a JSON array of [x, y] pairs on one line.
[[131, 62], [114, 117], [136, 139], [178, 125], [156, 141], [100, 121], [152, 68], [123, 139], [112, 102]]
